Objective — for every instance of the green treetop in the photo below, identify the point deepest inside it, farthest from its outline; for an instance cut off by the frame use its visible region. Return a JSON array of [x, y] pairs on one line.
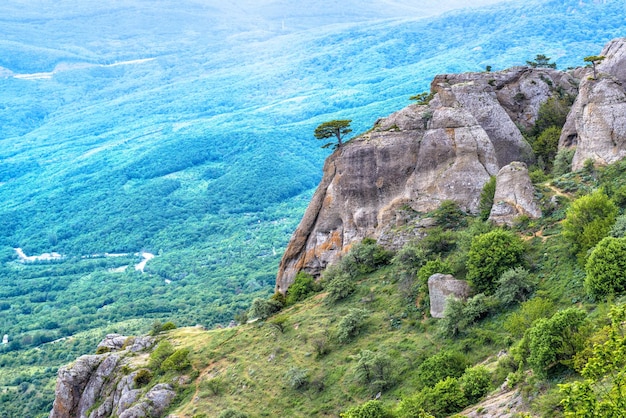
[[594, 59], [335, 128], [541, 61]]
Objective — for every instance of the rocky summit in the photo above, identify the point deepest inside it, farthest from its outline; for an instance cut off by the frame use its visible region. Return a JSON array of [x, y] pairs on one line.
[[448, 148]]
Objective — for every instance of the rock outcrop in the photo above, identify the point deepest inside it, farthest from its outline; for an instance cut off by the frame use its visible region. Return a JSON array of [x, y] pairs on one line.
[[514, 196], [443, 286], [96, 386], [596, 124], [418, 157]]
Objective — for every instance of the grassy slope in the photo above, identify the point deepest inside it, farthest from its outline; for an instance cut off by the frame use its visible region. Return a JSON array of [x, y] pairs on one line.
[[250, 361], [244, 368]]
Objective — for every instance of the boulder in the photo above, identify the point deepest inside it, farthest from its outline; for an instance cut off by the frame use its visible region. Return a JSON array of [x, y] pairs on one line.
[[153, 404], [440, 288], [142, 343], [514, 196], [113, 342]]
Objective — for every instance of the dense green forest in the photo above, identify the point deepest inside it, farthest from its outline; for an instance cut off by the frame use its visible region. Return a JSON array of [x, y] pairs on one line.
[[197, 146]]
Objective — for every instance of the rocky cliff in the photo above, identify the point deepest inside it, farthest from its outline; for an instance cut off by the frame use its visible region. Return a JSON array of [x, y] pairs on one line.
[[103, 385], [596, 125], [418, 157]]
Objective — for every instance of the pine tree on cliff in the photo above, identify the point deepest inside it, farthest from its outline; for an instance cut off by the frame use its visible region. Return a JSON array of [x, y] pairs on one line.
[[335, 128], [541, 61], [594, 60]]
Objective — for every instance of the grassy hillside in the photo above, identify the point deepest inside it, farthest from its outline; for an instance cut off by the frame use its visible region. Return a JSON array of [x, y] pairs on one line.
[[323, 355], [193, 141]]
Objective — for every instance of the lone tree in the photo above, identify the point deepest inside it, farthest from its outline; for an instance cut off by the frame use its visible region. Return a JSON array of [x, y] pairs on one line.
[[335, 128], [594, 60], [541, 61]]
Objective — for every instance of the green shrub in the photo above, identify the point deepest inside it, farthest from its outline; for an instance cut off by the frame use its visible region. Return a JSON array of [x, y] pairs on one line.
[[490, 255], [320, 344], [452, 322], [459, 315], [606, 268], [142, 378], [215, 385], [279, 298], [350, 325], [588, 220], [158, 327], [162, 351], [486, 198], [407, 263], [279, 322], [177, 361], [297, 378], [438, 242], [554, 341], [563, 161], [547, 144], [370, 409], [373, 369], [478, 307], [303, 286], [412, 407], [365, 257], [440, 366], [445, 398], [475, 383], [432, 267], [552, 113], [514, 286], [449, 216], [103, 349], [525, 317], [338, 284], [263, 309], [619, 228]]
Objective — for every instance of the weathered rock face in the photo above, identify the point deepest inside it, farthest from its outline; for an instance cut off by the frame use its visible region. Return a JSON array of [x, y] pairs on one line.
[[99, 380], [443, 286], [418, 157], [596, 124], [514, 196]]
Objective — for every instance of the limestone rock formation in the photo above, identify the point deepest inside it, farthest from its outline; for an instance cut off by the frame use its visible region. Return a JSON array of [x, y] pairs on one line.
[[440, 288], [99, 380], [514, 196], [418, 157], [113, 342], [596, 124]]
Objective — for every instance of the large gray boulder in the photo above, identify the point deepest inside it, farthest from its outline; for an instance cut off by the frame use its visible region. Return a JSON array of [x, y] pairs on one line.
[[153, 404], [113, 342], [443, 286], [514, 196]]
